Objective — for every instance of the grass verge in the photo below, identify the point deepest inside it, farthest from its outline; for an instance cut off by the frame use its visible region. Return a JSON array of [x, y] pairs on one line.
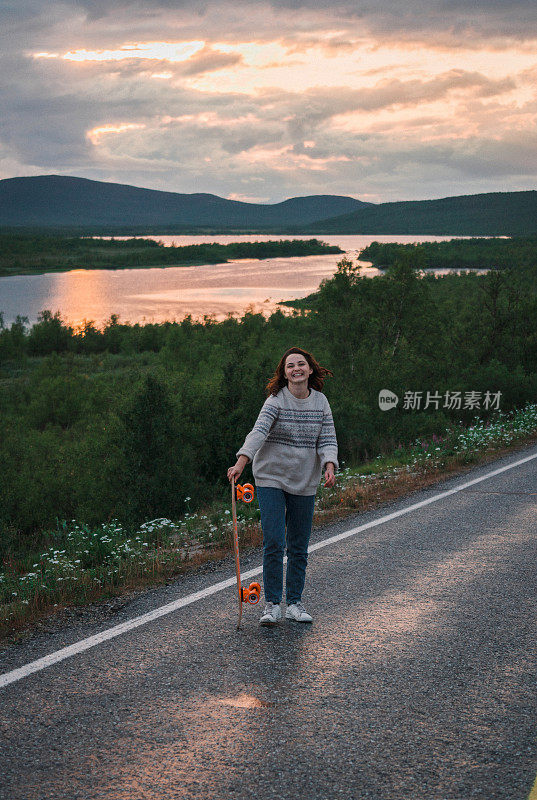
[[84, 564]]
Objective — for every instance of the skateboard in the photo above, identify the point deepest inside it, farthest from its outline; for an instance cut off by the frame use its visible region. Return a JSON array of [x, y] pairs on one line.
[[253, 592]]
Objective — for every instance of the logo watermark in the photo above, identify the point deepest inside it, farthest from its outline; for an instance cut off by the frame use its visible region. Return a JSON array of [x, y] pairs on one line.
[[387, 399], [453, 401]]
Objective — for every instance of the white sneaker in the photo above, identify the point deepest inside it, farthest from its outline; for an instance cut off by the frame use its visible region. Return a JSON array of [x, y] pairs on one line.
[[271, 614], [297, 612]]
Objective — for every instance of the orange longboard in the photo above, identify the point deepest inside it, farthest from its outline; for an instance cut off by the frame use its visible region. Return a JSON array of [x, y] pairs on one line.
[[253, 592]]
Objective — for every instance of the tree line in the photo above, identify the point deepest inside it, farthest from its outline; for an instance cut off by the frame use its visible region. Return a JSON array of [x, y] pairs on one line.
[[26, 253], [493, 253]]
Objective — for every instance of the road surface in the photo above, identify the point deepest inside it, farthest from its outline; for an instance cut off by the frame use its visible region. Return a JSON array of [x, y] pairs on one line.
[[416, 680]]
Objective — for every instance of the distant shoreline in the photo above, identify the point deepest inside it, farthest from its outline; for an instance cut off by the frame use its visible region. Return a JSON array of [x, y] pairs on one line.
[[39, 255], [112, 267]]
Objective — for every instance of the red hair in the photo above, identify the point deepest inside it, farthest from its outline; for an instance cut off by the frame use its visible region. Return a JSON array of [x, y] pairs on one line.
[[315, 380]]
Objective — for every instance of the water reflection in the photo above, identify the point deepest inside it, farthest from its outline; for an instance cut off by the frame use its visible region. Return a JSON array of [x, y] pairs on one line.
[[158, 294]]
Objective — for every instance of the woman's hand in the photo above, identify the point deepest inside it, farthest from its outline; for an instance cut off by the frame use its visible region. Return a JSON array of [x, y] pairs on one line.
[[329, 475], [235, 472]]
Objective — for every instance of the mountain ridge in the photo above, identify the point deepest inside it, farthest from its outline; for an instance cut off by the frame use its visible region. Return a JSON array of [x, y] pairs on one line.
[[486, 214], [62, 201]]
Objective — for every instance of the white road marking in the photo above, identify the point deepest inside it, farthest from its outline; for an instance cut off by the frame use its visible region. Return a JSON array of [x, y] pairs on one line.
[[136, 622]]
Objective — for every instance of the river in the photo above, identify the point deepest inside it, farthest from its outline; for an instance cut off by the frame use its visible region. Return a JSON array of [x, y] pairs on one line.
[[158, 294]]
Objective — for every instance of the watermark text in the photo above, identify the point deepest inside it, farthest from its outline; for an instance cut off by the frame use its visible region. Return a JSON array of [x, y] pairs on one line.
[[452, 401]]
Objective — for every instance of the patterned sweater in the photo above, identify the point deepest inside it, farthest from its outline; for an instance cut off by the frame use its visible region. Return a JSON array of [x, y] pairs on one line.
[[291, 442]]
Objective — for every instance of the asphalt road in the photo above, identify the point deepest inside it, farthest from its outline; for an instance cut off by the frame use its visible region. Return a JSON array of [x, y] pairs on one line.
[[416, 680]]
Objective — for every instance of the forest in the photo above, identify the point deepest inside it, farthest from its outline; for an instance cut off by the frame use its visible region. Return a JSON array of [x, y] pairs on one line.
[[133, 422], [476, 253], [490, 214], [27, 253]]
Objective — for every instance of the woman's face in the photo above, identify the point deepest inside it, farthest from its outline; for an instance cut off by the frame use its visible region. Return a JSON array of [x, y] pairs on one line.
[[297, 370]]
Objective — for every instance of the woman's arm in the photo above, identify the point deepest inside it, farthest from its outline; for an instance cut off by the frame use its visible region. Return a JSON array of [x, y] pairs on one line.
[[327, 446], [266, 419], [235, 472]]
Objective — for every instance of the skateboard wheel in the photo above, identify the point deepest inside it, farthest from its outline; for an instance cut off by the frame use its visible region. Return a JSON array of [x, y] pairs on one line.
[[254, 591], [245, 493]]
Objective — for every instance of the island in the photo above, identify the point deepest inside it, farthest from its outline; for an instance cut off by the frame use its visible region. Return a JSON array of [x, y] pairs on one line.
[[28, 254]]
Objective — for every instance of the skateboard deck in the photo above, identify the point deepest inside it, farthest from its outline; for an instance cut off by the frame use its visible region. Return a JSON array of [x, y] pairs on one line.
[[253, 592]]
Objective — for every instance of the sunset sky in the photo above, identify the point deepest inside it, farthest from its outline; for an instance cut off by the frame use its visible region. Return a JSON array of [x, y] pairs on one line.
[[261, 101]]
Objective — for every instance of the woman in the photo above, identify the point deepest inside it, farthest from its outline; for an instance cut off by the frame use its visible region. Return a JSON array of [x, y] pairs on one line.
[[291, 443]]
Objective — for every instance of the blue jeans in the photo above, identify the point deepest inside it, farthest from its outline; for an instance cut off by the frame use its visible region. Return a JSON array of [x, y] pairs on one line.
[[286, 519]]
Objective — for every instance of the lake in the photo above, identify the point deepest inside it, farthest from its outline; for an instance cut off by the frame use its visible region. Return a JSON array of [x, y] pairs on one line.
[[158, 294]]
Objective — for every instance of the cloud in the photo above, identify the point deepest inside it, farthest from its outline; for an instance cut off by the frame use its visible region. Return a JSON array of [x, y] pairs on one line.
[[449, 22], [280, 98], [209, 60], [304, 112], [446, 23]]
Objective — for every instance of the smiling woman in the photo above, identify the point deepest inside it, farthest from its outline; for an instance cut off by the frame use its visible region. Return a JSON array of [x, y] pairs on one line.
[[292, 442]]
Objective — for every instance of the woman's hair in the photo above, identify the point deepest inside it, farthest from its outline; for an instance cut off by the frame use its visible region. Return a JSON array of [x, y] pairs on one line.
[[315, 380]]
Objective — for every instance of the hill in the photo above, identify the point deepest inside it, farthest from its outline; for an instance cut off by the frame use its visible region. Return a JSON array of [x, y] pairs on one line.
[[492, 214], [57, 201]]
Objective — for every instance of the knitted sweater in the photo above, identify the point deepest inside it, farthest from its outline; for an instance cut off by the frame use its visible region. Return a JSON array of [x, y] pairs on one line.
[[291, 442]]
